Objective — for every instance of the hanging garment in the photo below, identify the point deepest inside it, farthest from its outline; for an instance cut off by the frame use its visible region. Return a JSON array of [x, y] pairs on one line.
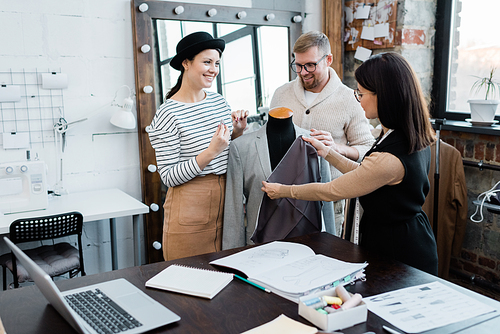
[[452, 204], [287, 217]]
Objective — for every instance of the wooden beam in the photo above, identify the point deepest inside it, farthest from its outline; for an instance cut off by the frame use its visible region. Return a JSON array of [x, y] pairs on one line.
[[333, 27]]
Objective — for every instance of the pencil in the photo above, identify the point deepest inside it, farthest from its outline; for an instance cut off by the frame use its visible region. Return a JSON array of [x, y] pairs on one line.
[[252, 283]]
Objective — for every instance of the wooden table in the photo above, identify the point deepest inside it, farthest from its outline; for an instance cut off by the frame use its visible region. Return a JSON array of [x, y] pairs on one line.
[[239, 306]]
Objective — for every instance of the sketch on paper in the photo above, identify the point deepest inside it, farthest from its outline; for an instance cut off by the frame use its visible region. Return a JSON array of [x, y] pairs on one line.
[[273, 253], [311, 270]]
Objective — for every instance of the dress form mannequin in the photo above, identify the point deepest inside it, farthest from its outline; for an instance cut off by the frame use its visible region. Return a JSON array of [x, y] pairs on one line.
[[280, 134], [249, 164]]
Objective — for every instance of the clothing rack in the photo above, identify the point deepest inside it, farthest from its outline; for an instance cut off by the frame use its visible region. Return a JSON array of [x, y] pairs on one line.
[[481, 165], [438, 123]]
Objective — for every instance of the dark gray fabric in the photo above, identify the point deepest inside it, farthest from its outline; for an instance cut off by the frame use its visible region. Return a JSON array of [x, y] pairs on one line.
[[288, 217], [248, 165]]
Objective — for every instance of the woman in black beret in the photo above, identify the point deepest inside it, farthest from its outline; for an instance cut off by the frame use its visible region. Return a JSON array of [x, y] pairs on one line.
[[190, 133]]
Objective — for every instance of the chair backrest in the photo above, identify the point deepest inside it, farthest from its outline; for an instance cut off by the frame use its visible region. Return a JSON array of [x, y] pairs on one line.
[[48, 227]]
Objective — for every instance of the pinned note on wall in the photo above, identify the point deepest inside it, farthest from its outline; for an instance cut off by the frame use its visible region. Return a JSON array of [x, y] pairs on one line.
[[362, 53], [382, 19], [381, 30], [368, 33], [362, 11]]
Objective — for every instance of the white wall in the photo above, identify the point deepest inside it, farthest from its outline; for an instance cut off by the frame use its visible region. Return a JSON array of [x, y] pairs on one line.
[[90, 41]]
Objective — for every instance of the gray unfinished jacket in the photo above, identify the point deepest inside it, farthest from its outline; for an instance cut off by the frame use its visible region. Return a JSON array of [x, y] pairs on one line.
[[249, 164]]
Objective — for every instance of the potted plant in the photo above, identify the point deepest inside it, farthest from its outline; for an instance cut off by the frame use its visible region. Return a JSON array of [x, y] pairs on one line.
[[483, 110]]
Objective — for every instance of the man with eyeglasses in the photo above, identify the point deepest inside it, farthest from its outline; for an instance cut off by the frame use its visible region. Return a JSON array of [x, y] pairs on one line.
[[324, 105]]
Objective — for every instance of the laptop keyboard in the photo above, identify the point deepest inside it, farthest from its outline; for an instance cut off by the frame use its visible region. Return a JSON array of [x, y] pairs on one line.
[[100, 312]]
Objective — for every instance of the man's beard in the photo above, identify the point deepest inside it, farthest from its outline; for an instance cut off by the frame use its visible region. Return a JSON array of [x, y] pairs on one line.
[[310, 85]]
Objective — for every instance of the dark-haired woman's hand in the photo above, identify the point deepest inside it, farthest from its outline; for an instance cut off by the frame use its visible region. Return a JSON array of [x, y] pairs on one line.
[[319, 146], [271, 189]]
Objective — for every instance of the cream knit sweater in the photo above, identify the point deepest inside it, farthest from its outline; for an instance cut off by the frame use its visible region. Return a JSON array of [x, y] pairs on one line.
[[335, 110]]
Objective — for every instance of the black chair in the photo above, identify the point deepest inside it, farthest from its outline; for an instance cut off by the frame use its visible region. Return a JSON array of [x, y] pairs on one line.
[[56, 259]]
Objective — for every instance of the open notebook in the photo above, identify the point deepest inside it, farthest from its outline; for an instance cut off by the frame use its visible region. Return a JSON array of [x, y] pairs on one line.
[[292, 270], [191, 281]]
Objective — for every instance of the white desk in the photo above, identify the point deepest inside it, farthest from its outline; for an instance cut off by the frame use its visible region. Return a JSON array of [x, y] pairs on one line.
[[93, 205]]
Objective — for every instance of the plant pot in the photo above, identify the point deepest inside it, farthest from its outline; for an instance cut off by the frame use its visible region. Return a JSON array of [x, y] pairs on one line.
[[483, 110]]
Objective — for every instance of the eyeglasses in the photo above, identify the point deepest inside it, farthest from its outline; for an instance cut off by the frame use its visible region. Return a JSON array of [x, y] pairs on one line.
[[358, 95], [310, 67]]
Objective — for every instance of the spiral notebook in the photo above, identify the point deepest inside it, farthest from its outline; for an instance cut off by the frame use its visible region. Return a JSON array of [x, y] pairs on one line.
[[190, 281]]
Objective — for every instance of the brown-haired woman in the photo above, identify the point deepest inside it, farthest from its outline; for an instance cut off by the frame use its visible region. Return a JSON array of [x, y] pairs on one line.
[[391, 181]]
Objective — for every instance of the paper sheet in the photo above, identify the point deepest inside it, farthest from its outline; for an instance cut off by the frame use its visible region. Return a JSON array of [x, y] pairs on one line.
[[381, 30], [282, 324], [362, 12], [425, 307], [368, 33], [362, 53]]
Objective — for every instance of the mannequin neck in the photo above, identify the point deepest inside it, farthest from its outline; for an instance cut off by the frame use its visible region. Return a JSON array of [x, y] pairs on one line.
[[280, 136], [279, 125]]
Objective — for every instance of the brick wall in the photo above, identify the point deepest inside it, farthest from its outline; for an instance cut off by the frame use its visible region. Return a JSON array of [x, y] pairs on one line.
[[474, 147]]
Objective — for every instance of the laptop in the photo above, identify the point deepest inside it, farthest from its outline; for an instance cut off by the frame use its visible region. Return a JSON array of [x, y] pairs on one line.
[[126, 309]]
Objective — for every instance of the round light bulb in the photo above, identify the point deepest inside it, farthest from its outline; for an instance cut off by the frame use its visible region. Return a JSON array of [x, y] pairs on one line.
[[241, 15], [297, 19], [152, 168], [212, 12], [145, 48], [156, 245], [179, 10], [143, 7], [270, 17], [147, 89], [155, 207]]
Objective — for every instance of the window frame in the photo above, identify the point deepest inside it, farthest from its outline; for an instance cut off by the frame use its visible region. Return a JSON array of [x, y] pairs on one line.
[[247, 30], [439, 93], [445, 12]]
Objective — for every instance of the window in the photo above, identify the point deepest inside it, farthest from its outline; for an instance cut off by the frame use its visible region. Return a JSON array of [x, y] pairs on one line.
[[466, 45]]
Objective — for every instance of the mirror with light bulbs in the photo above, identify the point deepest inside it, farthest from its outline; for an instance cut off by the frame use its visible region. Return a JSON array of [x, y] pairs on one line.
[[254, 63]]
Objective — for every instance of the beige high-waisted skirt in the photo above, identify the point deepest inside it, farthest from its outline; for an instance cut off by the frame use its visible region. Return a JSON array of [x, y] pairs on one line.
[[193, 217]]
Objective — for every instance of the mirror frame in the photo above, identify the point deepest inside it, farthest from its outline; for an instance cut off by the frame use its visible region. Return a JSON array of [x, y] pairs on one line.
[[143, 33]]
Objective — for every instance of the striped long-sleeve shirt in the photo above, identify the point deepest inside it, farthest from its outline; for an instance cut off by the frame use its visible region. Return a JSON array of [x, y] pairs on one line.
[[180, 131]]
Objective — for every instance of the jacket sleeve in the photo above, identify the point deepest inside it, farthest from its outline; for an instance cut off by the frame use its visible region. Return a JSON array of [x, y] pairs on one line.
[[328, 210], [377, 170], [460, 197], [233, 231]]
